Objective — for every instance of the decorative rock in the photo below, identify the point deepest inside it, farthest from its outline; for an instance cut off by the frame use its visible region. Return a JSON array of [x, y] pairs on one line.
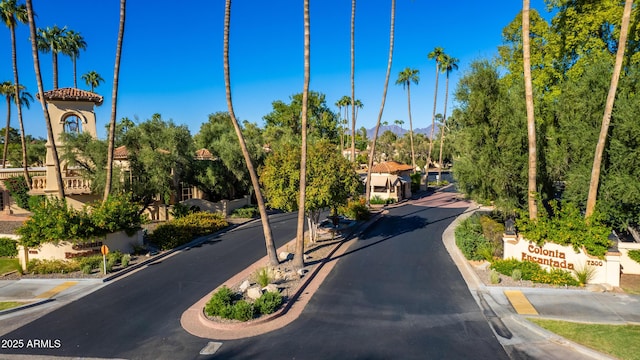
[[306, 257], [245, 285], [270, 288], [483, 266], [254, 293], [284, 256], [596, 288], [301, 272]]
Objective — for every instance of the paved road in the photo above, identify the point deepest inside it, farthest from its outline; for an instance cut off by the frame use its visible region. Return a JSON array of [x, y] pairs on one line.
[[138, 317], [395, 294]]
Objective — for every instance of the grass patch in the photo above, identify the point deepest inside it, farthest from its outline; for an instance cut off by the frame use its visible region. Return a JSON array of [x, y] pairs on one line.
[[620, 341], [8, 265], [4, 305]]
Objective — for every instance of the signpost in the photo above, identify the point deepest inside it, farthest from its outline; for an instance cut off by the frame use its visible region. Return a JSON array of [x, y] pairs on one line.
[[104, 250]]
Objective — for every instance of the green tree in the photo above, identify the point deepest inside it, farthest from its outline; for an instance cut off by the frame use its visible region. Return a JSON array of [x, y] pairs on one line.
[[74, 42], [437, 55], [114, 101], [8, 90], [92, 79], [331, 180], [405, 78], [384, 97], [52, 40], [11, 14], [47, 118]]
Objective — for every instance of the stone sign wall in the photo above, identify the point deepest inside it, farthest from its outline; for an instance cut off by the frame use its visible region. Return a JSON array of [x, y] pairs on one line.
[[550, 255]]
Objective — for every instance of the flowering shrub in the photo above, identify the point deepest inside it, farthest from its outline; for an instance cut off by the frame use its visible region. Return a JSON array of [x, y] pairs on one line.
[[533, 271], [356, 210]]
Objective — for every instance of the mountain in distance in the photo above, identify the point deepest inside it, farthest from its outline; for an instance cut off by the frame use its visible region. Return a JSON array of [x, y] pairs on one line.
[[400, 131]]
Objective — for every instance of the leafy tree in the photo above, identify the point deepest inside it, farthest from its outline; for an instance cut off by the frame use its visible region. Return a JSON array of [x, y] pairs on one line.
[[92, 79], [384, 97], [52, 40], [331, 180], [405, 78], [74, 42]]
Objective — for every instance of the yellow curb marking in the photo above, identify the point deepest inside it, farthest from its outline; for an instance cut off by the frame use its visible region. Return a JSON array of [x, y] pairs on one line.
[[520, 302], [58, 289]]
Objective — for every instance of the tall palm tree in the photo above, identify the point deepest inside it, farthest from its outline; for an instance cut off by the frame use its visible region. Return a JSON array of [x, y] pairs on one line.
[[114, 101], [531, 123], [448, 65], [298, 260], [353, 81], [8, 90], [606, 118], [343, 103], [12, 13], [52, 39], [405, 78], [92, 79], [266, 227], [384, 97], [47, 118], [74, 42], [436, 55]]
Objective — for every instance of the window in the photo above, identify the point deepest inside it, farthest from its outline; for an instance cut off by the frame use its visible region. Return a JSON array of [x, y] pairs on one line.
[[187, 192], [72, 124]]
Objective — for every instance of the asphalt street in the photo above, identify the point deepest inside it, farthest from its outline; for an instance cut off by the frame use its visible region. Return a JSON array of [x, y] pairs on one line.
[[395, 294]]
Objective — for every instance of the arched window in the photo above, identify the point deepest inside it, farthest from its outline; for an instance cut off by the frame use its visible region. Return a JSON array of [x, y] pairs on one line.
[[72, 124]]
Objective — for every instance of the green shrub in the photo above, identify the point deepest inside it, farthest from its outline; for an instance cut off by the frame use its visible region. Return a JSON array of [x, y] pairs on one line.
[[38, 266], [243, 310], [516, 274], [221, 303], [377, 200], [8, 247], [469, 238], [268, 303], [19, 191], [263, 276], [634, 255], [584, 274], [355, 210], [124, 261], [494, 276], [93, 262], [566, 225], [415, 182], [534, 272], [247, 211], [181, 231], [87, 269]]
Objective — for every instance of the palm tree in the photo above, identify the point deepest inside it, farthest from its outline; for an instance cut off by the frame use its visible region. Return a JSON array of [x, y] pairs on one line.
[[52, 39], [531, 123], [12, 13], [114, 101], [436, 54], [47, 118], [606, 118], [74, 42], [266, 227], [384, 97], [353, 81], [448, 65], [343, 103], [8, 89], [405, 78], [92, 79], [298, 260]]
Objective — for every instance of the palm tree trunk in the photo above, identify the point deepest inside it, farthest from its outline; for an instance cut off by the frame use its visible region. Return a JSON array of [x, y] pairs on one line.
[[54, 59], [606, 119], [433, 117], [384, 97], [444, 122], [413, 154], [23, 142], [531, 123], [114, 102], [299, 257], [75, 76], [6, 133], [353, 81], [47, 118], [266, 227]]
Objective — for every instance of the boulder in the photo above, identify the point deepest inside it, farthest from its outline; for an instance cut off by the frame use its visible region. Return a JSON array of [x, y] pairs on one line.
[[270, 288], [285, 256], [254, 293], [245, 285]]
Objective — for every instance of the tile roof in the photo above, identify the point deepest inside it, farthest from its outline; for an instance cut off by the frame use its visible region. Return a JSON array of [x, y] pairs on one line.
[[71, 94], [120, 153], [203, 154], [390, 167]]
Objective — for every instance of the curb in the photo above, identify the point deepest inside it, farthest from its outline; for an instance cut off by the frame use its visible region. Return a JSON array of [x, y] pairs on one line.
[[26, 306]]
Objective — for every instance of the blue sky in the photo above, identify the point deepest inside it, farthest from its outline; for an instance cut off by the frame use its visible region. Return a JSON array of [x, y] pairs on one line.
[[172, 55]]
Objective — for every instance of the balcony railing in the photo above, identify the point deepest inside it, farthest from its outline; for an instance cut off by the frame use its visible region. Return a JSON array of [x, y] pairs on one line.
[[72, 185]]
